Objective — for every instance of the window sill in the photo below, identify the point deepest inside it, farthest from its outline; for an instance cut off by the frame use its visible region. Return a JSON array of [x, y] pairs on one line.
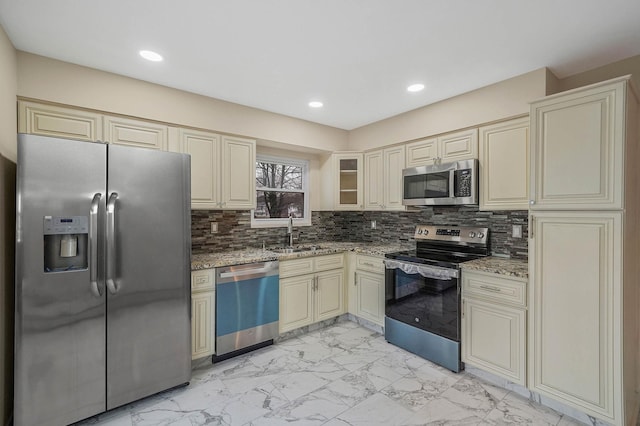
[[278, 223]]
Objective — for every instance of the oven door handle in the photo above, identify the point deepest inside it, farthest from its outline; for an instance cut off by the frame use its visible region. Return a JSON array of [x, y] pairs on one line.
[[427, 271]]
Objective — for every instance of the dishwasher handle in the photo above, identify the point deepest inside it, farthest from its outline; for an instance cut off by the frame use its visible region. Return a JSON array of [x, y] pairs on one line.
[[246, 271]]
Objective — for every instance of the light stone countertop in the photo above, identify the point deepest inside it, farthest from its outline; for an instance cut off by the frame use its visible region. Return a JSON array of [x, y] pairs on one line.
[[216, 260], [498, 265]]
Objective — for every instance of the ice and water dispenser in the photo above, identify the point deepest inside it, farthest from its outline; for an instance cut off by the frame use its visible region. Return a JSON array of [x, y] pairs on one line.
[[66, 243]]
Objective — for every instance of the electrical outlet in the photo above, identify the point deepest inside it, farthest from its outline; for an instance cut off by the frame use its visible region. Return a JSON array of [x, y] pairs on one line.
[[373, 224], [516, 231], [214, 227]]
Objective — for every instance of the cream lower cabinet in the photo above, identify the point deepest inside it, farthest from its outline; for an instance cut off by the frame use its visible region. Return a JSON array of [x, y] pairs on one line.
[[383, 179], [311, 290], [576, 327], [494, 324], [504, 165], [203, 305], [223, 170], [366, 288]]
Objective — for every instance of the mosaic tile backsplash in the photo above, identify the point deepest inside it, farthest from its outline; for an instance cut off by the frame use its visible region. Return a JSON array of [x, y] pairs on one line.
[[235, 232]]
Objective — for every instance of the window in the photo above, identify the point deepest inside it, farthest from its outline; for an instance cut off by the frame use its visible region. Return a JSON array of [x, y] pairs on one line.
[[281, 190]]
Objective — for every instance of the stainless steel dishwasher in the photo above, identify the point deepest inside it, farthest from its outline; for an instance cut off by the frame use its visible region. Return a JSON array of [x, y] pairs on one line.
[[247, 308]]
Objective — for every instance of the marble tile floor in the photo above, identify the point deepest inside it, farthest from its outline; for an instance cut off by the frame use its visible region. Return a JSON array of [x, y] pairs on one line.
[[341, 375]]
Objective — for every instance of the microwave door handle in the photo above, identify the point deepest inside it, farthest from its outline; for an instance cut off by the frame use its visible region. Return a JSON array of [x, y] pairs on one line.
[[452, 178]]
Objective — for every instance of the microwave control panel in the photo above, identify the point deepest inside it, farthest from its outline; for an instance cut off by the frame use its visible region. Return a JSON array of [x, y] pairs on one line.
[[463, 183]]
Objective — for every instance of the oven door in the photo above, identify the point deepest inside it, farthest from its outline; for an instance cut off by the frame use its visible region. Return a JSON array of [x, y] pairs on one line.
[[424, 296]]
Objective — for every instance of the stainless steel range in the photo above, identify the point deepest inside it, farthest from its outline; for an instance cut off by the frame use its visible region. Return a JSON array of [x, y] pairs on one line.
[[422, 291]]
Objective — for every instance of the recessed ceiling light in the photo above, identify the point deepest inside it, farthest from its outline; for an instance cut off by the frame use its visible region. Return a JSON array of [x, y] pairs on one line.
[[316, 104], [415, 87], [151, 56]]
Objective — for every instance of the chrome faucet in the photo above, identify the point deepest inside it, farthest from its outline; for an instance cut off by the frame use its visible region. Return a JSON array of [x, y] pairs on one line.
[[290, 230]]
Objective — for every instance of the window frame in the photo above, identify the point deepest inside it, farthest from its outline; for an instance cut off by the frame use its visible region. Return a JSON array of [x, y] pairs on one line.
[[284, 222]]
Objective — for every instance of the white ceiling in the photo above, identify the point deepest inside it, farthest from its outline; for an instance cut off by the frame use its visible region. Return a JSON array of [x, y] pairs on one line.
[[356, 56]]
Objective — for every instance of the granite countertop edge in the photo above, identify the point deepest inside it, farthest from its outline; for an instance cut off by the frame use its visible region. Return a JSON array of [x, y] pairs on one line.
[[498, 265], [238, 257]]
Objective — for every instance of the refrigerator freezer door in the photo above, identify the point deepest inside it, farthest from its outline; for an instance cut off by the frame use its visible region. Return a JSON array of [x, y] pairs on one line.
[[60, 316], [148, 273]]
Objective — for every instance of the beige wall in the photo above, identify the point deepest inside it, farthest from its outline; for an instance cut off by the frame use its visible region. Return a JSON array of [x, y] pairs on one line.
[[56, 81], [615, 69], [498, 101], [8, 85], [8, 89]]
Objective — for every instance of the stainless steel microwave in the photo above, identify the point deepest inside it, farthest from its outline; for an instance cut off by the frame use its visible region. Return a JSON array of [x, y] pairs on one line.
[[441, 184]]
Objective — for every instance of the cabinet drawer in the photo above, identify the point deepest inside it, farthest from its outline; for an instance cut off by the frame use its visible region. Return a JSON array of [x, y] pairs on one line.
[[202, 280], [290, 268], [494, 287], [369, 263], [332, 261]]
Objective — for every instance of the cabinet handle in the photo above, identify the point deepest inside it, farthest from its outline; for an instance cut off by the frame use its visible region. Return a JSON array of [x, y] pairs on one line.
[[369, 264], [532, 225], [462, 308], [355, 278], [490, 288]]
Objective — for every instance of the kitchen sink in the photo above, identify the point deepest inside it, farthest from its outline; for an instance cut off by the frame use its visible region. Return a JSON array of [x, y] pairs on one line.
[[288, 250]]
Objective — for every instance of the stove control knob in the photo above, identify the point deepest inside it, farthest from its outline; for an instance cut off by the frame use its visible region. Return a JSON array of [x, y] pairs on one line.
[[426, 232], [480, 235], [419, 232], [472, 234]]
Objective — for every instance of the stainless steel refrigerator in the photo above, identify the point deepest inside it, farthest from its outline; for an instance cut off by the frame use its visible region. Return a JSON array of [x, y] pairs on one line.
[[102, 277]]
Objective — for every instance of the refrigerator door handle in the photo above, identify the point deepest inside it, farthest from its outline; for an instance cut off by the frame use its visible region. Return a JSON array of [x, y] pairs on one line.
[[93, 241], [111, 243]]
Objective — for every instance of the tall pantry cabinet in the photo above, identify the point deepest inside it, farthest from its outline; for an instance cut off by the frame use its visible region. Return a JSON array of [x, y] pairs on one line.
[[584, 252]]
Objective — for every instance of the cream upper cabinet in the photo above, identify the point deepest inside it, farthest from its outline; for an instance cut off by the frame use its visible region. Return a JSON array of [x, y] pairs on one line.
[[202, 313], [138, 133], [222, 170], [577, 148], [373, 181], [462, 145], [66, 122], [311, 290], [238, 164], [504, 165], [576, 311], [422, 152], [56, 121], [204, 148], [494, 324], [348, 173], [458, 146], [383, 179]]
